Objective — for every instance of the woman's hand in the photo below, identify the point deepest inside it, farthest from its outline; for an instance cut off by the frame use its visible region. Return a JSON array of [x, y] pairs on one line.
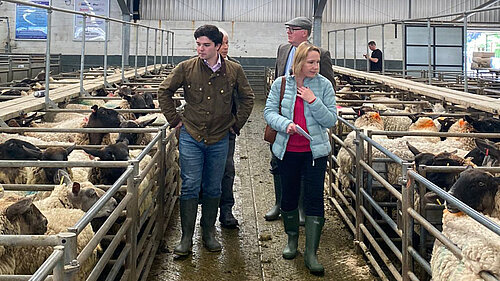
[[306, 94], [291, 129]]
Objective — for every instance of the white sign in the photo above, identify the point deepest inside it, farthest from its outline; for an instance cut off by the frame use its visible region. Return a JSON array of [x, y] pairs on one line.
[[95, 29]]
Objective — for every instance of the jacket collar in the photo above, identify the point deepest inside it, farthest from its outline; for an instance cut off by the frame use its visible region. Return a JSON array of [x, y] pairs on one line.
[[222, 68]]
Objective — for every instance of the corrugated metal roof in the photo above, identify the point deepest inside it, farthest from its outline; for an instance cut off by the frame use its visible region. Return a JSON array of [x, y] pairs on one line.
[[336, 11], [423, 8]]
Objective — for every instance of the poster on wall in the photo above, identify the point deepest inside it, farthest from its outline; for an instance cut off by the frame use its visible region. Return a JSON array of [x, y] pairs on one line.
[[31, 22], [95, 30]]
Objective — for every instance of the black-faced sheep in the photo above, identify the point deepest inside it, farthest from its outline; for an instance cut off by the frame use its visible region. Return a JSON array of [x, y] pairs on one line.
[[102, 118], [14, 149], [113, 152], [18, 216], [480, 247], [136, 138], [37, 175], [485, 148], [485, 125]]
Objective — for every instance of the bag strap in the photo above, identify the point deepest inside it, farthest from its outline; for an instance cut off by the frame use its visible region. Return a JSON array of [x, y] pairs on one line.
[[282, 92]]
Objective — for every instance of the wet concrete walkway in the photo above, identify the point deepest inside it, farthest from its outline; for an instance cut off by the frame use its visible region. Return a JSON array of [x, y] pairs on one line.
[[253, 252]]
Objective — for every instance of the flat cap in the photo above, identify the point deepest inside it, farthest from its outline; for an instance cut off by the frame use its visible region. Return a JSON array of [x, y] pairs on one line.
[[302, 22]]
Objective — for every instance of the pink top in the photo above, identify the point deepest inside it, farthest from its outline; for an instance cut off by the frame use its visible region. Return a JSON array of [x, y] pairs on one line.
[[297, 142]]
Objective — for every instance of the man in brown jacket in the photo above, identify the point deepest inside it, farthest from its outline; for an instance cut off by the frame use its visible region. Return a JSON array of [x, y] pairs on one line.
[[208, 82]]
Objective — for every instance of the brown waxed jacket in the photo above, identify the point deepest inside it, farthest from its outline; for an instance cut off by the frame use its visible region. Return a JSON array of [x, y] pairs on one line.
[[207, 115]]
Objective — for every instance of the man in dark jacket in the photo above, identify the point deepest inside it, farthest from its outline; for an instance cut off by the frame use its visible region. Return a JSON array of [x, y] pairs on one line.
[[298, 30], [226, 217], [208, 82]]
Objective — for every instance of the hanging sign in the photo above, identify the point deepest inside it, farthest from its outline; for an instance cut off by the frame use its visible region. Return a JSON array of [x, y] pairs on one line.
[[31, 22], [95, 29]]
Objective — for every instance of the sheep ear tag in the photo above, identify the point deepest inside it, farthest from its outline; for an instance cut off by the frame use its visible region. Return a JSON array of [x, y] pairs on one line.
[[76, 188]]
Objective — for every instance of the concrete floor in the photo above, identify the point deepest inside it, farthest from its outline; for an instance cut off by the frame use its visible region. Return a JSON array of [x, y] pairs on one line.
[[253, 252]]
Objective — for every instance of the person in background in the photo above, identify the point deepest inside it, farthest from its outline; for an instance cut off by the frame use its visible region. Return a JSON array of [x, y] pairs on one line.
[[308, 102], [226, 217], [375, 58], [298, 30], [208, 81]]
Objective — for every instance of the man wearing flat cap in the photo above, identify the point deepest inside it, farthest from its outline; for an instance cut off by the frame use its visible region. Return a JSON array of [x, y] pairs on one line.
[[298, 31]]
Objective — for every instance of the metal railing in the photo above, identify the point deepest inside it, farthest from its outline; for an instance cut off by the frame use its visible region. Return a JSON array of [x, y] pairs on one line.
[[143, 226], [50, 9], [427, 21], [383, 225], [29, 64]]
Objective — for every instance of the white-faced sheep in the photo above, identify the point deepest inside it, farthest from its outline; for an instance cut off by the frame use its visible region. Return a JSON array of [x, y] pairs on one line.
[[368, 121], [67, 204], [75, 195], [59, 220]]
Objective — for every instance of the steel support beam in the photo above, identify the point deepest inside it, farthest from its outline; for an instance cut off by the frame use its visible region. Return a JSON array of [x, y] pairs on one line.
[[319, 7], [484, 5], [126, 16]]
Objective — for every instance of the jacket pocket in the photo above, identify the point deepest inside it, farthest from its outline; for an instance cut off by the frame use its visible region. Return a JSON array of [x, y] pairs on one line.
[[227, 92], [193, 94]]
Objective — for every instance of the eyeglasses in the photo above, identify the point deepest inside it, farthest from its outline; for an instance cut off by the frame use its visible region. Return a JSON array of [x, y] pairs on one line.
[[292, 29]]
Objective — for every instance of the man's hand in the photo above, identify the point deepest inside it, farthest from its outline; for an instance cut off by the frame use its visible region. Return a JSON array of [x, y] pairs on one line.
[[291, 129], [179, 125], [306, 94]]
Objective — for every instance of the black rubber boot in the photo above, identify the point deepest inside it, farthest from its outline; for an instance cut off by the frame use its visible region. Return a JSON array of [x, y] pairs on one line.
[[209, 210], [314, 225], [227, 219], [188, 210], [291, 224], [274, 213]]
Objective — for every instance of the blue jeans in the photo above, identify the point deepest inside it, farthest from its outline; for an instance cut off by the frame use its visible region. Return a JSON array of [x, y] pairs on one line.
[[201, 164]]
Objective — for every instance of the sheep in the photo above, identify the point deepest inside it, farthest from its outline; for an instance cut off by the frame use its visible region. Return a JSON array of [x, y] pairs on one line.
[[38, 175], [63, 208], [485, 125], [59, 220], [75, 195], [80, 174], [133, 100], [113, 152], [99, 118], [18, 216], [486, 153], [15, 149], [479, 246], [399, 146], [368, 121], [136, 138]]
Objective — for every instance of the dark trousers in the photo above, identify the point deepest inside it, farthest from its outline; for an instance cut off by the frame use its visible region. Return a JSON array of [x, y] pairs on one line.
[[227, 197], [294, 166]]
